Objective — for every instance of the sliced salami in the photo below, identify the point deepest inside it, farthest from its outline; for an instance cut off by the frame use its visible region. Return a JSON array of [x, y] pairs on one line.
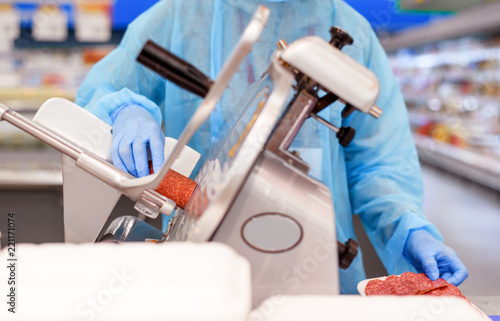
[[420, 280], [439, 283], [411, 284], [378, 287], [448, 290], [423, 283], [402, 286]]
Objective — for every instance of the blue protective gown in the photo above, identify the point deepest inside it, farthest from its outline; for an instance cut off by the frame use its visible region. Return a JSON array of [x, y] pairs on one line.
[[376, 177]]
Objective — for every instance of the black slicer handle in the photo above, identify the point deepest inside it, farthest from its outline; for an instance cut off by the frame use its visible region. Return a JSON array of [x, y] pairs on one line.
[[347, 253], [173, 68], [340, 38], [346, 135]]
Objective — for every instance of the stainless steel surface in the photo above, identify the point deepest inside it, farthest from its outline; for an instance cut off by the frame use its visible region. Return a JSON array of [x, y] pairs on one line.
[[311, 267], [152, 203], [3, 110], [376, 112], [288, 127], [130, 229], [326, 123], [272, 232], [281, 45]]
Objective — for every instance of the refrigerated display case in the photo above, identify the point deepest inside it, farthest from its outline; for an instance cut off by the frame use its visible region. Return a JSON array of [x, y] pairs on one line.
[[452, 91], [34, 69], [36, 75]]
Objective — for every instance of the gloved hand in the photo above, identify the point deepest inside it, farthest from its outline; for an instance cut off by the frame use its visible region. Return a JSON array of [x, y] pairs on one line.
[[435, 259], [134, 131]]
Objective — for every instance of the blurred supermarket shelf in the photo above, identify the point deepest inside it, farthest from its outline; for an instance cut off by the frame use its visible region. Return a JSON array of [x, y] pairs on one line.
[[478, 168], [30, 178], [123, 11], [30, 99], [30, 169], [447, 57], [44, 2]]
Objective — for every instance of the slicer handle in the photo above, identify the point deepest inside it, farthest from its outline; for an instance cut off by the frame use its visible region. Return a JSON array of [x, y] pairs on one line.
[[173, 68], [347, 111], [340, 38], [344, 134], [347, 253]]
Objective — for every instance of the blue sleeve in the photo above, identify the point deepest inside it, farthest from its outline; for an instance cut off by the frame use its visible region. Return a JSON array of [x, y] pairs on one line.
[[118, 79], [383, 170]]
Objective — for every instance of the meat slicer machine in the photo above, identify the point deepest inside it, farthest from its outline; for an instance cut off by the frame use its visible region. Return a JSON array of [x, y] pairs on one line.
[[253, 193]]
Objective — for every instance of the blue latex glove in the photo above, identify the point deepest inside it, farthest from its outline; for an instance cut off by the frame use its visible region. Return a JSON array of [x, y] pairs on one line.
[[435, 259], [134, 131]]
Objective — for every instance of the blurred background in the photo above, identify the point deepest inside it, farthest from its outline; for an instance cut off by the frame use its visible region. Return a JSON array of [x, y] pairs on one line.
[[445, 55]]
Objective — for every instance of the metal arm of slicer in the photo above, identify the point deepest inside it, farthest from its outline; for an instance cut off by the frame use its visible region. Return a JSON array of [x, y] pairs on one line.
[[100, 168], [83, 159], [319, 65]]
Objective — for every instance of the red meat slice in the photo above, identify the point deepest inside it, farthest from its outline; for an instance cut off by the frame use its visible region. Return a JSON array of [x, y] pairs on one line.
[[402, 286], [449, 290], [411, 284], [439, 283], [378, 287], [423, 283], [420, 280]]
